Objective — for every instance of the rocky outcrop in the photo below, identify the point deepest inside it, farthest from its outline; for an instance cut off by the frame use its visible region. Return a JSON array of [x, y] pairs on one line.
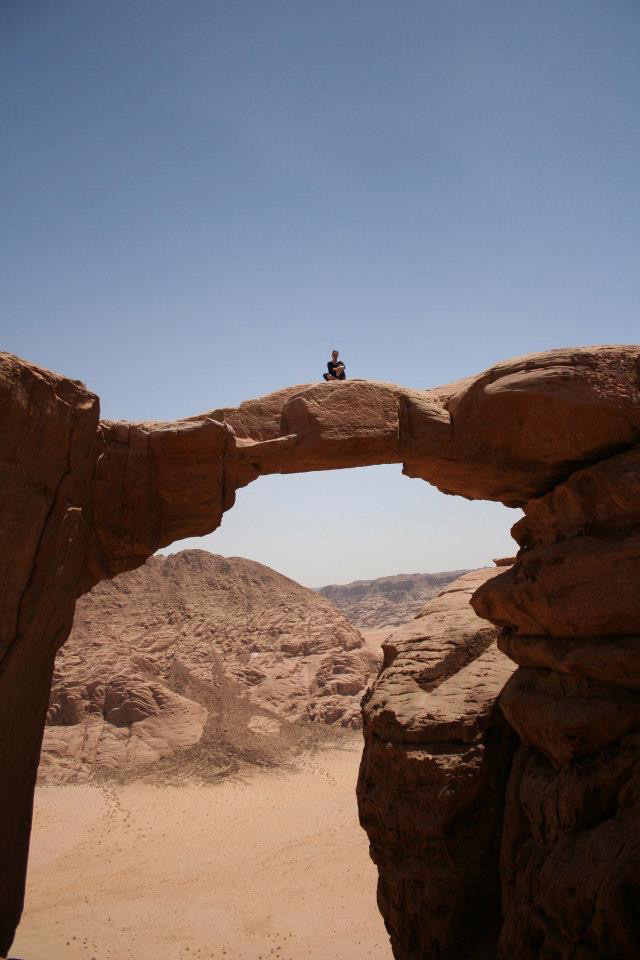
[[387, 601], [47, 458], [159, 656], [509, 434], [82, 502], [562, 878], [153, 484], [436, 759], [570, 861]]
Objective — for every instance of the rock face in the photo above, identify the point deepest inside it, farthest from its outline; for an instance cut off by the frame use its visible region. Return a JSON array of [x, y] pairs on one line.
[[47, 457], [83, 501], [509, 434], [434, 770], [155, 652], [153, 484], [570, 862], [387, 601]]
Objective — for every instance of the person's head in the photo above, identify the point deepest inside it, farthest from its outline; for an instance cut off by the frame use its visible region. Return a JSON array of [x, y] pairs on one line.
[[334, 355]]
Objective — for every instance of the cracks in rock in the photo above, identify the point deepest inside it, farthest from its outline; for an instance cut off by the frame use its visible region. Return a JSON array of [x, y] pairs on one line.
[[34, 565]]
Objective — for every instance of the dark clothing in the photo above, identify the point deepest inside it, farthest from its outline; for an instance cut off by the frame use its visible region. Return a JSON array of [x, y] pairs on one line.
[[334, 373]]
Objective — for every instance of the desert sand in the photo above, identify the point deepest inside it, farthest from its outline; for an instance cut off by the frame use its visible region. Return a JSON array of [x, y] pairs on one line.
[[269, 865]]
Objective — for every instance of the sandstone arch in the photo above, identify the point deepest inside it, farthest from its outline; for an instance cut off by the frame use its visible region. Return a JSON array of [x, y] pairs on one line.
[[84, 499]]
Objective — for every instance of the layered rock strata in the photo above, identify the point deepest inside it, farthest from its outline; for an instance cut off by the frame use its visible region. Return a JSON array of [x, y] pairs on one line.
[[83, 501], [553, 871], [570, 611]]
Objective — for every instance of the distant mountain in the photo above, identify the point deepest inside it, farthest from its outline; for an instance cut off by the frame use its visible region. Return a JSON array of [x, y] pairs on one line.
[[202, 659], [387, 601]]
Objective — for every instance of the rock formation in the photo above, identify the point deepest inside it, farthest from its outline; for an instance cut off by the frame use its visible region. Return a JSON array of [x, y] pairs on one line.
[[387, 601], [434, 769], [570, 612], [83, 501], [172, 654], [48, 431]]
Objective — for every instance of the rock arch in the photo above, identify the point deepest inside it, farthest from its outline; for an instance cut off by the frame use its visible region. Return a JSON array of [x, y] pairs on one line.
[[555, 433]]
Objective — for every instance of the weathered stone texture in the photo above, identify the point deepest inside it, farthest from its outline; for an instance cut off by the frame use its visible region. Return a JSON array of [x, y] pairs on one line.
[[570, 861], [556, 433], [156, 483], [47, 458], [431, 786], [583, 587], [184, 648]]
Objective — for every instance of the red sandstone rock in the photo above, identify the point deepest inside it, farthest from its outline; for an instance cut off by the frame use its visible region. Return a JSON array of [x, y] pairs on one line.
[[614, 660], [156, 483], [160, 656], [509, 434], [47, 456], [570, 860], [528, 423], [570, 855], [600, 500], [512, 434], [584, 587], [432, 778], [567, 717]]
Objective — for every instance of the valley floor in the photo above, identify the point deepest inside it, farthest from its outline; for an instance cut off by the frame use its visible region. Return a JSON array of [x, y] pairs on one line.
[[273, 866]]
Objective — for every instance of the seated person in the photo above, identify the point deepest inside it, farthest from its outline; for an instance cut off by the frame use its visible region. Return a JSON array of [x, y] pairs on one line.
[[335, 367]]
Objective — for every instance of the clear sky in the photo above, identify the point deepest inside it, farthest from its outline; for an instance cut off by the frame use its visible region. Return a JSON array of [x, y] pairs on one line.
[[199, 199]]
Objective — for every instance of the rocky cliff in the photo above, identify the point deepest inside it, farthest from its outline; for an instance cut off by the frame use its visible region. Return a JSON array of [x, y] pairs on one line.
[[387, 601], [432, 779], [570, 615], [197, 650], [84, 500]]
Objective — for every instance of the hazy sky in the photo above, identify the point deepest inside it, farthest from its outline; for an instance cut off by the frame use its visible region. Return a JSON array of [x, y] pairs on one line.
[[199, 199]]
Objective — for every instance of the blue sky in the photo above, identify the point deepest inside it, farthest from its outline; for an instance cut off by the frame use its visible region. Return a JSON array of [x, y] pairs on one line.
[[201, 198]]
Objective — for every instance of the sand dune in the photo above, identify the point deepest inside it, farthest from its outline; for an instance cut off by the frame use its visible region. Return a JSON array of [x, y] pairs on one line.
[[273, 865]]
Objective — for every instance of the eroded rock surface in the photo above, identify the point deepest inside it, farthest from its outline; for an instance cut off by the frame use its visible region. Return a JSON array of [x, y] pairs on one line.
[[157, 655], [571, 854], [431, 788], [83, 501], [570, 862], [47, 457]]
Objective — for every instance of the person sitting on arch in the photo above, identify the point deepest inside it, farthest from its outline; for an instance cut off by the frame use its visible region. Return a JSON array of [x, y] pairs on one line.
[[335, 367]]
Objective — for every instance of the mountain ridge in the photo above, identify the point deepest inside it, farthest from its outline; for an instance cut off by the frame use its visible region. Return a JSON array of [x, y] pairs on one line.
[[387, 601], [194, 653]]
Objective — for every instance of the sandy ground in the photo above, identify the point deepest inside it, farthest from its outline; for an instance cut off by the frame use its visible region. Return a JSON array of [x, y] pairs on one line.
[[273, 866]]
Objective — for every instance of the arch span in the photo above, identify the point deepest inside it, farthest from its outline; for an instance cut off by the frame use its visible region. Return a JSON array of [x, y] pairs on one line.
[[84, 499], [509, 434]]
